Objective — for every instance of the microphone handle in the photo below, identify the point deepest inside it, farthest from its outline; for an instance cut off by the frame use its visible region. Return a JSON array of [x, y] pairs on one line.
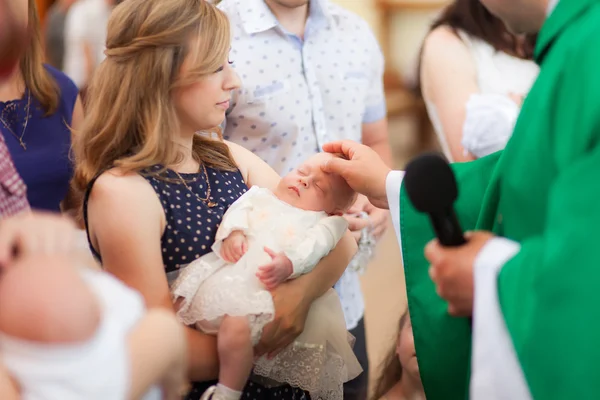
[[447, 228]]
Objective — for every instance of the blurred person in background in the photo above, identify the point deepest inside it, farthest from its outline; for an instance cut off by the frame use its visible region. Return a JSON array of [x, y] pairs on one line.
[[54, 32], [38, 106], [399, 377], [85, 37], [474, 74]]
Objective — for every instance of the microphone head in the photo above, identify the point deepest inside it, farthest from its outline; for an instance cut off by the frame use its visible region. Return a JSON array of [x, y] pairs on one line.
[[430, 183]]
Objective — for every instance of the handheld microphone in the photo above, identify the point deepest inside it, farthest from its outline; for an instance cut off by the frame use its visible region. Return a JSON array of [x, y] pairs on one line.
[[431, 187]]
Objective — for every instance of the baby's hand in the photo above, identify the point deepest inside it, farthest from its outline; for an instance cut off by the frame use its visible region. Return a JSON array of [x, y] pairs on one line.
[[277, 271], [234, 247]]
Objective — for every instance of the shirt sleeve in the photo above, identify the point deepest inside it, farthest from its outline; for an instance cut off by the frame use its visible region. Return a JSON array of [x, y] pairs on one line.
[[316, 243], [495, 367], [375, 105], [236, 218], [75, 34], [393, 183]]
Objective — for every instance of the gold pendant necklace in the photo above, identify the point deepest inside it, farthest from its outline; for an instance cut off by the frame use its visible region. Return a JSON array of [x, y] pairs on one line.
[[207, 200]]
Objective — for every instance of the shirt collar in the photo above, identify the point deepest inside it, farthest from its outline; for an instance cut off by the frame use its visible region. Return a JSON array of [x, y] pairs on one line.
[[551, 6], [257, 17]]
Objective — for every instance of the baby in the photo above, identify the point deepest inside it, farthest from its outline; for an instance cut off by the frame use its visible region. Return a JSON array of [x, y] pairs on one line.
[[70, 333], [264, 239]]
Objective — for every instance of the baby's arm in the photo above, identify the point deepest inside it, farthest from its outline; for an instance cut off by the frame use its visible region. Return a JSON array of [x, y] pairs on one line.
[[301, 258], [230, 241], [167, 367], [316, 244]]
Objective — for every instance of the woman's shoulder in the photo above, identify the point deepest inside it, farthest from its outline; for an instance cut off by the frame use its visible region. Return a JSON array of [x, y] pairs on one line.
[[117, 185], [254, 170], [445, 54], [445, 39], [68, 91], [66, 85]]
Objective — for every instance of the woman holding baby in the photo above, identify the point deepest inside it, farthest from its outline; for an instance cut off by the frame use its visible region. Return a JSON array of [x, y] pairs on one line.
[[157, 190]]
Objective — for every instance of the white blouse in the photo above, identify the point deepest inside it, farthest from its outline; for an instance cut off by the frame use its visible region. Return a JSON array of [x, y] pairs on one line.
[[490, 114]]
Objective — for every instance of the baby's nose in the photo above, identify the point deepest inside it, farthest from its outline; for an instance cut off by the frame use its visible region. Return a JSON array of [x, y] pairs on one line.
[[304, 181]]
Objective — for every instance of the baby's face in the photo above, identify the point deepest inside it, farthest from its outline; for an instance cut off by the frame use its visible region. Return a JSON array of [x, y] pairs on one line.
[[309, 188]]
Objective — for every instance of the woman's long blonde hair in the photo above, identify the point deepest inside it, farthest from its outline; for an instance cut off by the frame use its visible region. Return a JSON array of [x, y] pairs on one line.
[[38, 80], [130, 116], [390, 369]]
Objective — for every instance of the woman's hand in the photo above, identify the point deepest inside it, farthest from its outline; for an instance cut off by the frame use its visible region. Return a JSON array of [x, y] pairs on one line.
[[291, 309], [378, 218], [517, 98], [277, 271]]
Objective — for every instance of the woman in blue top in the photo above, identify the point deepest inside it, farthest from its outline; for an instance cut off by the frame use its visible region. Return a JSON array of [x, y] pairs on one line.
[[38, 106]]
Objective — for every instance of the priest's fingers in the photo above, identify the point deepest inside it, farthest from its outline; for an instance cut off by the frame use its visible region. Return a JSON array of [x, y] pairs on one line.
[[338, 166], [432, 251], [345, 147]]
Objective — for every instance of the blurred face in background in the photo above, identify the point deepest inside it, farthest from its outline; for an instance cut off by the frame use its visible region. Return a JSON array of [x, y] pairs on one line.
[[405, 349], [19, 10], [520, 16]]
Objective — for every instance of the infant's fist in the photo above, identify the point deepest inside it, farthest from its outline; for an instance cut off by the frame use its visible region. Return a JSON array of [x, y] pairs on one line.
[[234, 247]]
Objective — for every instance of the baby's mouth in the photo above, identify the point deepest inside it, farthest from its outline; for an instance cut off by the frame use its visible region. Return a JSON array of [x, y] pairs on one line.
[[295, 189]]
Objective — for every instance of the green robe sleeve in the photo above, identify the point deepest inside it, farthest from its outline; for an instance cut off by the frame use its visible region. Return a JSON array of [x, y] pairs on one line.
[[549, 292], [442, 342]]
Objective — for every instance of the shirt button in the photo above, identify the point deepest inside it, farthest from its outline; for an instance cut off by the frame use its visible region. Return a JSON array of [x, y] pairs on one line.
[[499, 219]]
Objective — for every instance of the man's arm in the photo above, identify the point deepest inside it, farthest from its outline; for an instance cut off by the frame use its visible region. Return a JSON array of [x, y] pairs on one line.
[[375, 135], [75, 34], [375, 125]]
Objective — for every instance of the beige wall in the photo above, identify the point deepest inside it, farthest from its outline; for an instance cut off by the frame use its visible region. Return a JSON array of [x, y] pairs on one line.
[[407, 32]]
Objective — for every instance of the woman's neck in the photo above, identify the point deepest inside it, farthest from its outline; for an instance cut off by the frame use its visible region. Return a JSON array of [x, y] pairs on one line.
[[13, 87], [188, 164]]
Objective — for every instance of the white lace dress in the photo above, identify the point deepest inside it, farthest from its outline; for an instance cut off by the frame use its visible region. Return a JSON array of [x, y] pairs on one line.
[[321, 359]]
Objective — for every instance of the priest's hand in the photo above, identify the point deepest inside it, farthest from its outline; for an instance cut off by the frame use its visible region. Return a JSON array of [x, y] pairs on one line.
[[363, 169], [452, 271]]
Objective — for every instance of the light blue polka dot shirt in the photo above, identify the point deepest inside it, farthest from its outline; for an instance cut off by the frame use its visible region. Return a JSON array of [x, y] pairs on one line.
[[298, 94]]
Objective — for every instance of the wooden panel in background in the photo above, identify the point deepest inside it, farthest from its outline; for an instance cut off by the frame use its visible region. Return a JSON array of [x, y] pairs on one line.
[[43, 6]]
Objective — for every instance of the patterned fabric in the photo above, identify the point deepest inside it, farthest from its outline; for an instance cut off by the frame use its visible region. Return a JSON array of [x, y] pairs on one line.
[[299, 93], [254, 391], [13, 192]]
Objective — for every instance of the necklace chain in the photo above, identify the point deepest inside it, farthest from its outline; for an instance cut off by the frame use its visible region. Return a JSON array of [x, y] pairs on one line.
[[207, 200], [20, 138]]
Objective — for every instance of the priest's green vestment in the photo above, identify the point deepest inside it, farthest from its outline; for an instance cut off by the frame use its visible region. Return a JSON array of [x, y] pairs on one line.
[[542, 191]]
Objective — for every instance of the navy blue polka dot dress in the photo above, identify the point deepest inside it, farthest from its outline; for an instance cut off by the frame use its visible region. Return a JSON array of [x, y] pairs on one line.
[[190, 233]]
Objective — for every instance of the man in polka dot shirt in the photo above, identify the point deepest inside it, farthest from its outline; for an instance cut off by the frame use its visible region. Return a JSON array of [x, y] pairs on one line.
[[312, 72]]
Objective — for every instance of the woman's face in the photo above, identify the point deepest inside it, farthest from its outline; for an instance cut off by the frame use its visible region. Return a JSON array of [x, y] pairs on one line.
[[202, 104], [405, 349], [20, 10]]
